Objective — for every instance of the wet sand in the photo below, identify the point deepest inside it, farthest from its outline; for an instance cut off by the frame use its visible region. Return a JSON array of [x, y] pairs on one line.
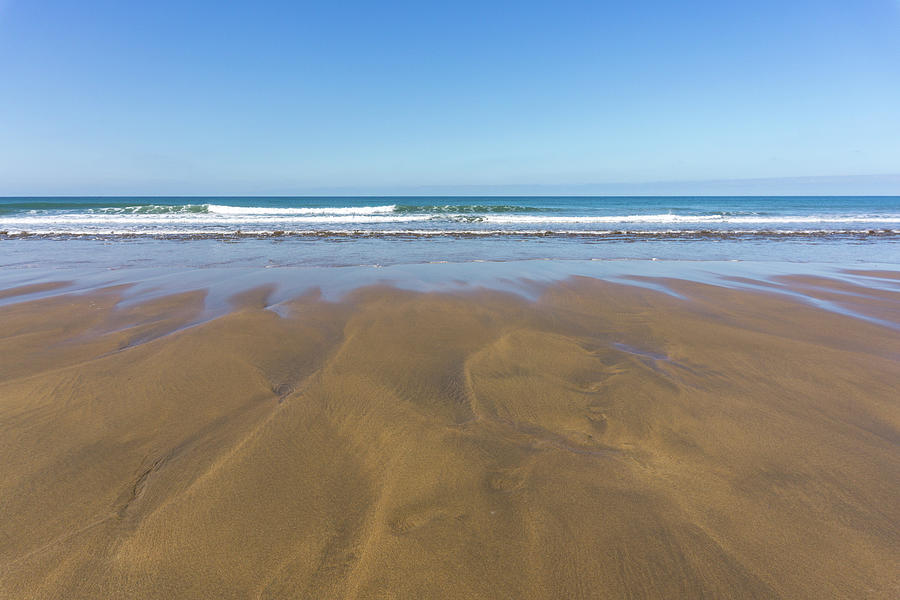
[[604, 441]]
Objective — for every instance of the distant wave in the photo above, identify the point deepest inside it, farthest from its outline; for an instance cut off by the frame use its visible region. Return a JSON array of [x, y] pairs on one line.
[[456, 209], [377, 214], [218, 209], [144, 209], [202, 219], [670, 218], [223, 209]]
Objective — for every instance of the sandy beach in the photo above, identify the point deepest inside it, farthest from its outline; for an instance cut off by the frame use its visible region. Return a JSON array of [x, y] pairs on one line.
[[602, 441], [450, 300]]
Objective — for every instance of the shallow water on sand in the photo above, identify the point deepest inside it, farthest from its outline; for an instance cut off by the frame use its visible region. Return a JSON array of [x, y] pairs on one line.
[[221, 280]]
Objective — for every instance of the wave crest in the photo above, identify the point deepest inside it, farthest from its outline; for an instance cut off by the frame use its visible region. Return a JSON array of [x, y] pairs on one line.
[[219, 209]]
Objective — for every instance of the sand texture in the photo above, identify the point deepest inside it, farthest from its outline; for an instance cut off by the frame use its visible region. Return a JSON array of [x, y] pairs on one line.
[[605, 441]]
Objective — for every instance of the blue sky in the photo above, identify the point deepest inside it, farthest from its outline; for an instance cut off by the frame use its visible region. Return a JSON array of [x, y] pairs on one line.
[[238, 98]]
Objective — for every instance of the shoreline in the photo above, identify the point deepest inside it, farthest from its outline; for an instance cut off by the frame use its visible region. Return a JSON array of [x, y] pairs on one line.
[[611, 235], [527, 278]]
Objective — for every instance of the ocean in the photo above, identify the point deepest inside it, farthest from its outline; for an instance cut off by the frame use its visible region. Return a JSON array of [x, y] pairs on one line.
[[352, 231], [431, 243], [619, 217]]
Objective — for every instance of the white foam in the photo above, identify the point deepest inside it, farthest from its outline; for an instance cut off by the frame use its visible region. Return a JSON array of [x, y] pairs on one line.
[[202, 219], [669, 218], [219, 209], [184, 232], [283, 218], [382, 220]]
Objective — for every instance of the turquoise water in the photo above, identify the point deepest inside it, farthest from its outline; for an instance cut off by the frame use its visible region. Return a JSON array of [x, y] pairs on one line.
[[451, 216]]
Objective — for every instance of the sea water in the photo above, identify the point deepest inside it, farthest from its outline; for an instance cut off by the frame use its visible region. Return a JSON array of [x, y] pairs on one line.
[[433, 242], [618, 217], [335, 231]]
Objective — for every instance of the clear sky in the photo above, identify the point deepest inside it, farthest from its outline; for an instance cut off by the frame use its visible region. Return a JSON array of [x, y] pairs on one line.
[[202, 97]]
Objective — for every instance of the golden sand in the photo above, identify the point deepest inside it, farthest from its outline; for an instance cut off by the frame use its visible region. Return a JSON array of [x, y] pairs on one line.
[[606, 441]]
